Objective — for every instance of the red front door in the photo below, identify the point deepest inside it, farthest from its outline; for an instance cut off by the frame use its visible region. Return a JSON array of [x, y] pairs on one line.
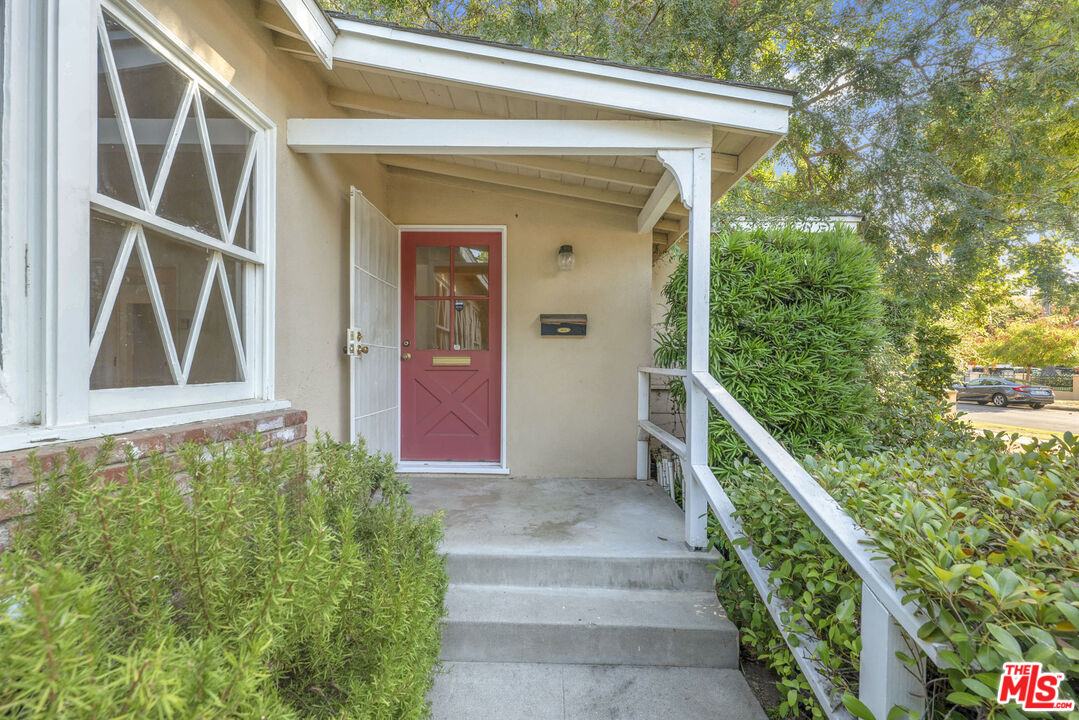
[[451, 346]]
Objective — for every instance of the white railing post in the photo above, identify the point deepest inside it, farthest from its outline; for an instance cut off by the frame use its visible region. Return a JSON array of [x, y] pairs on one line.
[[644, 386], [697, 194], [885, 681]]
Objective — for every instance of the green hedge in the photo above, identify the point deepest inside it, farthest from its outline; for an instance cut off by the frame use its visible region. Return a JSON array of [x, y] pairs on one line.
[[983, 538], [292, 583], [794, 319]]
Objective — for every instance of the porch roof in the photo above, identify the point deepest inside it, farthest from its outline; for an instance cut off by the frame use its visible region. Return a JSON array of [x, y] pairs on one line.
[[378, 70]]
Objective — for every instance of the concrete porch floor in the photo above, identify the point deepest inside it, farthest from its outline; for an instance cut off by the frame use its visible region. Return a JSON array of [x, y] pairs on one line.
[[577, 598], [578, 517]]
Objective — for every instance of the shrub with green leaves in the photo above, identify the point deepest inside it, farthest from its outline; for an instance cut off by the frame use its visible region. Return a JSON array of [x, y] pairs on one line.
[[985, 540], [935, 366], [243, 583], [794, 318]]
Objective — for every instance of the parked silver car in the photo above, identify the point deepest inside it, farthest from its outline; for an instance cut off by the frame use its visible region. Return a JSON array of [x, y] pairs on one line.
[[1003, 392]]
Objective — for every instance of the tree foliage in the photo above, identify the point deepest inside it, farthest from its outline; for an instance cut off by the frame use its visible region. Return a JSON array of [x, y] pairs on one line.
[[951, 123], [1034, 343]]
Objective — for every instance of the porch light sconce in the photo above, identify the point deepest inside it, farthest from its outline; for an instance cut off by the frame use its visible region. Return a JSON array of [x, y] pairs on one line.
[[565, 257]]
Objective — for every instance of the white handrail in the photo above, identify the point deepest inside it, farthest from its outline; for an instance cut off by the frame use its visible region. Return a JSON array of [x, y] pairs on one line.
[[882, 600], [845, 535]]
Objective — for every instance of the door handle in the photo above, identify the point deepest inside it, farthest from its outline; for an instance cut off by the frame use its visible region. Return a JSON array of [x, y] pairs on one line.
[[406, 356]]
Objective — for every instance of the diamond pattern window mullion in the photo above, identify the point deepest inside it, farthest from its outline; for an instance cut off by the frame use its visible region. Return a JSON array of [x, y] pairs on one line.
[[230, 316], [126, 133], [242, 189], [116, 278], [158, 305], [184, 170], [175, 134], [200, 314], [211, 169]]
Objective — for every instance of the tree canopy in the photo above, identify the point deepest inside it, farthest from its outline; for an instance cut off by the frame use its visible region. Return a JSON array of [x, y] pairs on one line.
[[953, 124]]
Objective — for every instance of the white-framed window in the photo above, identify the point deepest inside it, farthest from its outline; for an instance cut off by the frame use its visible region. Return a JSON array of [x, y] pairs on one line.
[[149, 246], [12, 245]]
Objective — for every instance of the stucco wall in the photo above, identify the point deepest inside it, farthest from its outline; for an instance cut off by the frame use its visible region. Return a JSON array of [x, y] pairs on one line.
[[572, 402], [312, 200]]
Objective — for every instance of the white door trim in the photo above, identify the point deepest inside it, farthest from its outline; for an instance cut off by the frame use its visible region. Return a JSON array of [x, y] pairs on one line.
[[460, 468]]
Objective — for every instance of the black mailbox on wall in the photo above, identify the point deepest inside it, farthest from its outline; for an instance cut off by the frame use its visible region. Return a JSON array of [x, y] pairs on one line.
[[563, 325]]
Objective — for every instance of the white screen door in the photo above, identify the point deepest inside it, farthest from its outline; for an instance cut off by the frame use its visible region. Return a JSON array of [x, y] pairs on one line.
[[374, 310]]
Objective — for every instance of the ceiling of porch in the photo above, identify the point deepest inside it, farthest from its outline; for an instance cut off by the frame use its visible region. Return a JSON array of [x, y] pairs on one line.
[[621, 181]]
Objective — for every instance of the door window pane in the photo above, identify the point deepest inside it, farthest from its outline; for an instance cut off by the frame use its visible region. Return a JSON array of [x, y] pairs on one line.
[[432, 325], [471, 329], [470, 271], [432, 271]]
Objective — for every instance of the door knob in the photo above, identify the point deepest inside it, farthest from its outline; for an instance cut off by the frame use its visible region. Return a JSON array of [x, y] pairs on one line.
[[406, 356]]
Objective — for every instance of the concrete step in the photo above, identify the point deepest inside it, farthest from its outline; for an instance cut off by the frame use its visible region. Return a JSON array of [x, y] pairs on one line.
[[671, 571], [506, 623], [523, 691]]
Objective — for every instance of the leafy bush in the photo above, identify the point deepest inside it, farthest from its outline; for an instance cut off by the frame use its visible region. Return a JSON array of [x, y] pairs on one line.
[[984, 539], [794, 318], [935, 367], [290, 583], [906, 415]]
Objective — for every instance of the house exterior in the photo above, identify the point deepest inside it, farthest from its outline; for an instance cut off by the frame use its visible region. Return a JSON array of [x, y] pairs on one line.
[[226, 216]]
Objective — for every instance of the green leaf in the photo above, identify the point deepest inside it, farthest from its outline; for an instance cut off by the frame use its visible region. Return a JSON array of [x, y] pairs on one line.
[[856, 707], [1006, 641], [964, 699]]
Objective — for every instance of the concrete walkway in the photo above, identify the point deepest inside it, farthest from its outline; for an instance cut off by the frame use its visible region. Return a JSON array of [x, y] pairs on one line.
[[577, 599]]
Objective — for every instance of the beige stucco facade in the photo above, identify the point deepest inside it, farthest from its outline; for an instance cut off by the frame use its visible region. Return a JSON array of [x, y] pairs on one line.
[[571, 403]]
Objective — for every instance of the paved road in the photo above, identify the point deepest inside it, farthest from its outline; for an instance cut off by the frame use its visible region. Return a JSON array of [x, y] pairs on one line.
[[1019, 416]]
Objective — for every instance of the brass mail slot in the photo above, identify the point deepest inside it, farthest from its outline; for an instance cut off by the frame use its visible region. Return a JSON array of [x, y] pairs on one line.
[[451, 361]]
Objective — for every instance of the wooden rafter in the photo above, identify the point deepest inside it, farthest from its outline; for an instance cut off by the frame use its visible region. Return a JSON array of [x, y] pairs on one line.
[[552, 187]]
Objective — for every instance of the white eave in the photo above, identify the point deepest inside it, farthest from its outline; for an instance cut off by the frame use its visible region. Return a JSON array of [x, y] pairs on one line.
[[302, 20], [524, 120], [561, 78]]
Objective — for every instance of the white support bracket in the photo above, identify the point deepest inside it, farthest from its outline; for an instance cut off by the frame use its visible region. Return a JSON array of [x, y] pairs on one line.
[[662, 196]]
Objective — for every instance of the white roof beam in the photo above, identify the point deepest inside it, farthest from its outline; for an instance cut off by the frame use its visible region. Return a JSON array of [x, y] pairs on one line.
[[495, 137], [751, 155], [584, 170], [724, 163], [658, 202], [303, 19], [552, 187], [562, 79], [343, 97], [293, 46]]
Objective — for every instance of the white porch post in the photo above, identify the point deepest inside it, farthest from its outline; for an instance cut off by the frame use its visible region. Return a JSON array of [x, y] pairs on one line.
[[693, 171], [885, 681], [644, 387]]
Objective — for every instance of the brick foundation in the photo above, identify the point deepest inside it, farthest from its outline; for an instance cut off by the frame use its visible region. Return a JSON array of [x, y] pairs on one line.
[[281, 427]]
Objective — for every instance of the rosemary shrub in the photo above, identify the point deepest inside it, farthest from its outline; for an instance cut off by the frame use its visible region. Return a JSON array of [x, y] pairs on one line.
[[241, 583]]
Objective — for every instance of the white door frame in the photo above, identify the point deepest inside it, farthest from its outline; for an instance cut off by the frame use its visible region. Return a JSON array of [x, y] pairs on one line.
[[459, 468]]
